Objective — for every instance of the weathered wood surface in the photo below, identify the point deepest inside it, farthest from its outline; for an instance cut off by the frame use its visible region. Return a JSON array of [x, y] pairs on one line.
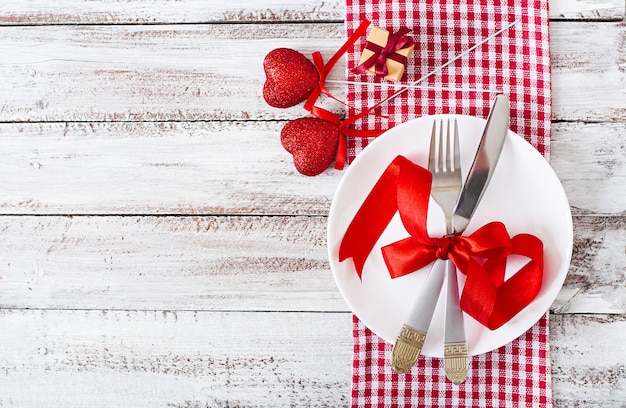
[[142, 265], [142, 168], [154, 263], [184, 359], [587, 368], [231, 168], [190, 72], [231, 263], [167, 359], [199, 11]]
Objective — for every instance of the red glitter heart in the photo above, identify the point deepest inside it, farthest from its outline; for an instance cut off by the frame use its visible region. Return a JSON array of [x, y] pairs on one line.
[[312, 142], [291, 78]]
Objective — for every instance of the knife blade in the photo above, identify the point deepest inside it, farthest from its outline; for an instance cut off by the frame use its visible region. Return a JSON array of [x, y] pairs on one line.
[[485, 160], [484, 163]]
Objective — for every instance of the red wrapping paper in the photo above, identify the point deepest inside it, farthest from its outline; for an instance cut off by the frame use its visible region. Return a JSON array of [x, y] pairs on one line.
[[516, 62]]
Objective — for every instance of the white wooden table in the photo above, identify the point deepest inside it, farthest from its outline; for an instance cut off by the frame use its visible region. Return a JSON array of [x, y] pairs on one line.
[[157, 247]]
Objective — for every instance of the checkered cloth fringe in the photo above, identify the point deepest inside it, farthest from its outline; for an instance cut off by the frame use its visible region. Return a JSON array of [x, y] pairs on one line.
[[515, 62]]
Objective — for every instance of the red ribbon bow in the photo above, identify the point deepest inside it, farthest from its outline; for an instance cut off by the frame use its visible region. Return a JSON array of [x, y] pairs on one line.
[[395, 42], [323, 70], [404, 187], [342, 125], [344, 131]]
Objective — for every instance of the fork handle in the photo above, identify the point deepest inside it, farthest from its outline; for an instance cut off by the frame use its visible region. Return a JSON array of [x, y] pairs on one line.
[[455, 352]]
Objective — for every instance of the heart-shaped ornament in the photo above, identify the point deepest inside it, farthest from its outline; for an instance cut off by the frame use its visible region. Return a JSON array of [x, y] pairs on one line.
[[312, 142], [291, 77]]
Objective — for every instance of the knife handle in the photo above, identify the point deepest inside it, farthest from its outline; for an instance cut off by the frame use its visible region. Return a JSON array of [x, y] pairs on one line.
[[455, 345], [410, 341]]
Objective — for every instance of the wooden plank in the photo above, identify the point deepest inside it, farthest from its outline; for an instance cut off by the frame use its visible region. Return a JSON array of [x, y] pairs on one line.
[[187, 72], [174, 359], [589, 160], [595, 281], [180, 263], [199, 11], [588, 367], [231, 263], [169, 12], [155, 168], [198, 359], [587, 10], [574, 57], [136, 73], [231, 168]]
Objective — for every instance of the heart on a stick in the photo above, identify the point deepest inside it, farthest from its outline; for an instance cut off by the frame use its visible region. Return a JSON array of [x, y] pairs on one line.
[[312, 142], [291, 77]]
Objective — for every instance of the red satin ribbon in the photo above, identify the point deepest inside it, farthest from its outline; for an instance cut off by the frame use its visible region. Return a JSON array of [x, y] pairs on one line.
[[404, 187], [343, 125], [323, 71], [395, 42]]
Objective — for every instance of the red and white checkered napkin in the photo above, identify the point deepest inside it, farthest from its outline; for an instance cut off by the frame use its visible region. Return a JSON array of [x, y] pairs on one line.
[[515, 375], [516, 62]]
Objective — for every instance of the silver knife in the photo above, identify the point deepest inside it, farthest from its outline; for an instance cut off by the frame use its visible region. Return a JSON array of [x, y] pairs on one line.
[[455, 345], [413, 334], [487, 156], [410, 341]]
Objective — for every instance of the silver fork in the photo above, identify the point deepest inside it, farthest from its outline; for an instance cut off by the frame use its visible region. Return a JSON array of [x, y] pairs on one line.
[[446, 187], [444, 165], [446, 171], [445, 191]]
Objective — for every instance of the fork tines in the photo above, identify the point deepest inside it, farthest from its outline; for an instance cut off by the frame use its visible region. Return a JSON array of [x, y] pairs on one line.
[[436, 160]]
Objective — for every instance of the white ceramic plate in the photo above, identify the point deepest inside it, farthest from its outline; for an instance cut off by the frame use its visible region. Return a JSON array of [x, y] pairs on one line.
[[524, 193]]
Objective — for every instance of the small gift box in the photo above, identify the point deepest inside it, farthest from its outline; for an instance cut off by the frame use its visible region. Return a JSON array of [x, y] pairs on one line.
[[386, 54]]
